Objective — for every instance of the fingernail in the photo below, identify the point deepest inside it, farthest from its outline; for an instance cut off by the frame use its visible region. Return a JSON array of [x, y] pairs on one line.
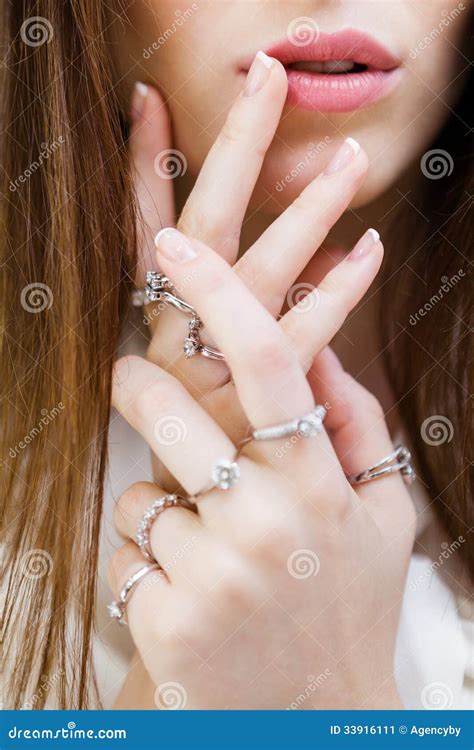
[[366, 243], [174, 246], [139, 96], [258, 74], [343, 156]]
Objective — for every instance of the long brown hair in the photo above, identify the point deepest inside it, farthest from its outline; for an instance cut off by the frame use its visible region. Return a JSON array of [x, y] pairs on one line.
[[67, 256], [427, 322], [67, 259]]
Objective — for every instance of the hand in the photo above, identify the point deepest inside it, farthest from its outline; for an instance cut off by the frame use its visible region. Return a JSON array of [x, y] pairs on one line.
[[214, 214], [235, 621]]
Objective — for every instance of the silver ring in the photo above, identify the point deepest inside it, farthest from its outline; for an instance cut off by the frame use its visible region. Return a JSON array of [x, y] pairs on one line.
[[159, 288], [117, 608], [224, 476], [193, 344], [308, 426], [398, 460], [142, 536]]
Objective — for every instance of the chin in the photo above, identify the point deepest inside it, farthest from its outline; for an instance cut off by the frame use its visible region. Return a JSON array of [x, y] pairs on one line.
[[281, 182]]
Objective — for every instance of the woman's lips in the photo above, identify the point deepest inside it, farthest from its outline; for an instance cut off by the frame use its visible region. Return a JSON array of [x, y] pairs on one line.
[[376, 71], [339, 93]]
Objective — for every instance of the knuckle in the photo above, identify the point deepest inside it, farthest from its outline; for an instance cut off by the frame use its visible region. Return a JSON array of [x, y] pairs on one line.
[[129, 503], [159, 397], [233, 130], [277, 542], [214, 279], [234, 588], [272, 355], [334, 298]]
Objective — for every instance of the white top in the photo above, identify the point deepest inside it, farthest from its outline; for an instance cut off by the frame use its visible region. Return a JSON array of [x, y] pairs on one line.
[[434, 663]]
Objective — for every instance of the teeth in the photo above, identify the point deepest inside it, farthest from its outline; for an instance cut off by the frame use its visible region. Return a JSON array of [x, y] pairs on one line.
[[338, 66], [328, 66]]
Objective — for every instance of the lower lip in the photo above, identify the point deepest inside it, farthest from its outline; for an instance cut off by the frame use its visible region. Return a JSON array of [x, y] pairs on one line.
[[345, 92]]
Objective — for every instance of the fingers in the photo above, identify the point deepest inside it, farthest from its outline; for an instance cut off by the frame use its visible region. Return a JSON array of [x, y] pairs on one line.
[[150, 144], [271, 265], [149, 595], [179, 431], [175, 534], [358, 430], [270, 382], [216, 207], [312, 323]]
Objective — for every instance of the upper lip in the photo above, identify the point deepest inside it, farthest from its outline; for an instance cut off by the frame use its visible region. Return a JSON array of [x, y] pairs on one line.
[[348, 44]]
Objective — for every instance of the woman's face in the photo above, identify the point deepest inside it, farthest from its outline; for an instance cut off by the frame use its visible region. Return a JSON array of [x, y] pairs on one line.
[[399, 69]]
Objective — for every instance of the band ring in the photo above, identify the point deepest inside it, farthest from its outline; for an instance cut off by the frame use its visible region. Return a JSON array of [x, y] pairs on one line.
[[142, 536], [398, 460], [159, 288], [118, 607], [308, 426]]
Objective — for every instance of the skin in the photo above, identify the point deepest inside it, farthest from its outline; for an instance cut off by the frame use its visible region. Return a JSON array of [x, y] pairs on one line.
[[188, 626], [198, 70]]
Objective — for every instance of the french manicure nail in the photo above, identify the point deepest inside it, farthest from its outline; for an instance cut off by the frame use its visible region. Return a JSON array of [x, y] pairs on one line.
[[366, 243], [343, 156], [139, 96], [174, 246], [258, 74]]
